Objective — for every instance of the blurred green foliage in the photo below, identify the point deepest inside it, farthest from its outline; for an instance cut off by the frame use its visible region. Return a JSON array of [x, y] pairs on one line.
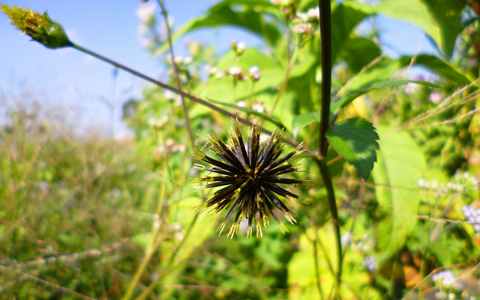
[[100, 217]]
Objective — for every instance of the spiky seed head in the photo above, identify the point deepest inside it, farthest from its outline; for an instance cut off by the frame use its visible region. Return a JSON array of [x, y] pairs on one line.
[[249, 179], [39, 27]]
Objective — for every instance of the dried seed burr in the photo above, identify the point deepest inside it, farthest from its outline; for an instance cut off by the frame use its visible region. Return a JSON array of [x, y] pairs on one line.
[[250, 179]]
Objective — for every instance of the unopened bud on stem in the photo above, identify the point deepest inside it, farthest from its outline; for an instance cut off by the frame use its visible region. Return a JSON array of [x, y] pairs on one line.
[[39, 27]]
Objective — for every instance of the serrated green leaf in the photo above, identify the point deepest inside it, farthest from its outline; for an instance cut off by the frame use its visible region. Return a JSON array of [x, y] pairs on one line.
[[345, 100], [356, 140], [253, 112]]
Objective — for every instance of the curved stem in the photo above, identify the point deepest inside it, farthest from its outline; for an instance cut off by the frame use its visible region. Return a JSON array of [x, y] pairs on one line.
[[182, 93], [177, 77], [285, 80], [290, 62]]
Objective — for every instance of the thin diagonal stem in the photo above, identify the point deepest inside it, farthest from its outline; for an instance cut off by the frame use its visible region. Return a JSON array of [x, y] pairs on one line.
[[177, 91]]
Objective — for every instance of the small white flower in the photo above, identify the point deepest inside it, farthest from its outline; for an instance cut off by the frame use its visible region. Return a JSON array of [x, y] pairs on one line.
[[346, 238], [421, 182], [302, 16], [169, 95], [313, 13], [242, 103], [241, 46], [411, 88], [157, 223], [211, 70], [188, 60], [258, 106], [435, 97], [178, 60], [441, 295], [300, 28], [234, 71], [220, 74], [145, 11], [253, 69], [370, 263]]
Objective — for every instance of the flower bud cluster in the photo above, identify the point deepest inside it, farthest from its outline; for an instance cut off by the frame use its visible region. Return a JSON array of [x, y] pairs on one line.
[[158, 123], [236, 73], [463, 182], [370, 263], [312, 15], [447, 281], [366, 244], [472, 215], [288, 7], [238, 47], [214, 72], [444, 278], [176, 230], [254, 73]]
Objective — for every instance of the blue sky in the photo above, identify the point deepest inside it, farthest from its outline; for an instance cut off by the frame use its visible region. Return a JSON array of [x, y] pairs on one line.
[[69, 78]]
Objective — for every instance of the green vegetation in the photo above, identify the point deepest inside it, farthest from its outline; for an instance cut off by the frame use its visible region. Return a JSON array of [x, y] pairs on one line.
[[94, 218]]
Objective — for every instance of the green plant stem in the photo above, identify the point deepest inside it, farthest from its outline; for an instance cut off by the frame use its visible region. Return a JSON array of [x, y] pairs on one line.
[[283, 87], [170, 88], [151, 249], [326, 57], [327, 181], [317, 269], [175, 70]]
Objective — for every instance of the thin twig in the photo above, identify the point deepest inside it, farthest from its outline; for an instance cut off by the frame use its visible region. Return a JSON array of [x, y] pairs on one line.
[[290, 61], [45, 282], [170, 88], [175, 70]]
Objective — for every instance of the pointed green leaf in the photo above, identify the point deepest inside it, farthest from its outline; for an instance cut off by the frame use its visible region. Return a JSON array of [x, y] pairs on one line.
[[400, 165], [383, 70], [359, 52], [303, 120], [441, 20], [356, 140], [345, 100], [251, 17], [344, 19], [439, 66], [300, 121]]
